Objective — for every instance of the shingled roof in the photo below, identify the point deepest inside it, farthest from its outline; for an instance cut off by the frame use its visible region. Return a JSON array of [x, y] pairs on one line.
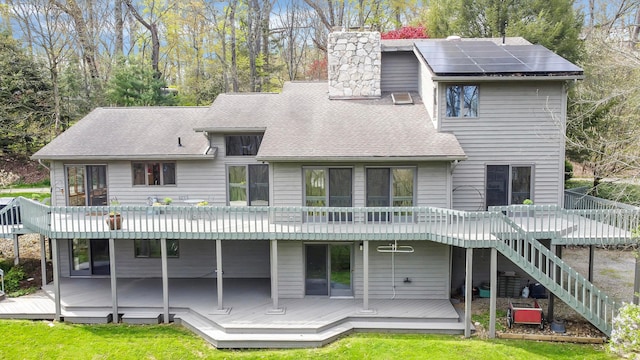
[[132, 133], [303, 124]]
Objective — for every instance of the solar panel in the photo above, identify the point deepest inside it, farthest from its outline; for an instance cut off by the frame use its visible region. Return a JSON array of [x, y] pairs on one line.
[[488, 58]]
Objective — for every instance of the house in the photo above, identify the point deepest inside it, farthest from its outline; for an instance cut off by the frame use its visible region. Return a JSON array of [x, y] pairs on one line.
[[355, 206]]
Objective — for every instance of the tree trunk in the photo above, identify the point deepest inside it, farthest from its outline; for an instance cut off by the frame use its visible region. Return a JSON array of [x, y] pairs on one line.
[[636, 29], [155, 41], [119, 50], [234, 61], [86, 43]]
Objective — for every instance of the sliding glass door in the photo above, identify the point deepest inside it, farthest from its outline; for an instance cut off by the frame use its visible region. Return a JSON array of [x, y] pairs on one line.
[[87, 185], [328, 270], [89, 257]]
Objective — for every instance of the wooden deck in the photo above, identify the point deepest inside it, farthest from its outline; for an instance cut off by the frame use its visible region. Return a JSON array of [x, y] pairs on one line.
[[307, 322], [452, 227]]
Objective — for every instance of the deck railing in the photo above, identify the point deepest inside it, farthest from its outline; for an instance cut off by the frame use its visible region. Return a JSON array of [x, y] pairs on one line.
[[578, 199], [453, 227], [303, 223], [10, 218]]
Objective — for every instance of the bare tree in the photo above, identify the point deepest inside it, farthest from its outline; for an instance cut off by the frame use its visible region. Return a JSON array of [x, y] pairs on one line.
[[84, 38], [152, 26], [602, 128], [49, 32]]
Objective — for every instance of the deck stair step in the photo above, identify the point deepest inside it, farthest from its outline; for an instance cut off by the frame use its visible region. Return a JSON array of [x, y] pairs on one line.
[[222, 339], [409, 327], [141, 318], [373, 323], [276, 338], [87, 317]]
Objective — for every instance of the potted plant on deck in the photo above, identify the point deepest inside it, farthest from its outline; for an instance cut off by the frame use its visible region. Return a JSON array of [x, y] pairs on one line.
[[114, 219]]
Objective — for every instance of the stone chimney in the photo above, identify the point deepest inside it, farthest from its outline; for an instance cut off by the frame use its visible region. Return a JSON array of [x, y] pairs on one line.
[[354, 65]]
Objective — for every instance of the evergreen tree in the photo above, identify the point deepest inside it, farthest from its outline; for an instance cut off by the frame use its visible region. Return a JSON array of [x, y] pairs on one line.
[[134, 84], [26, 110]]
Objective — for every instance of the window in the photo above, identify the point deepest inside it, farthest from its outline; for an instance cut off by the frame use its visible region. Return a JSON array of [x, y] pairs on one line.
[[239, 145], [151, 248], [508, 184], [86, 185], [248, 185], [328, 187], [154, 173], [462, 101], [390, 187]]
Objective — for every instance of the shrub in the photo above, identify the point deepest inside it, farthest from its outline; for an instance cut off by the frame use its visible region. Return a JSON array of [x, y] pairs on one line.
[[12, 279], [625, 336], [568, 170]]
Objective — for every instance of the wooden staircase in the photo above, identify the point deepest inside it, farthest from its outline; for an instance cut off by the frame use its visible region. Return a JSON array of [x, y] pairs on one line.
[[557, 276]]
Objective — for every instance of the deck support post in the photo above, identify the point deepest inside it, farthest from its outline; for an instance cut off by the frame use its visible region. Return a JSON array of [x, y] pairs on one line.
[[219, 272], [274, 280], [56, 277], [468, 293], [365, 280], [591, 263], [112, 275], [557, 250], [493, 292], [16, 250], [165, 281], [636, 282], [43, 260]]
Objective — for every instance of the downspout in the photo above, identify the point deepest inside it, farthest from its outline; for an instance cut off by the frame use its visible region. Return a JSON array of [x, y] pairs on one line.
[[43, 165]]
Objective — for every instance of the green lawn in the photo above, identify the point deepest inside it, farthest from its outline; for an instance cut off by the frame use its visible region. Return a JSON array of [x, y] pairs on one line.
[[38, 340]]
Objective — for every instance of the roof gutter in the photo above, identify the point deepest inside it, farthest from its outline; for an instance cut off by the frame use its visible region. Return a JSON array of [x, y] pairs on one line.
[[229, 130], [508, 78], [361, 158], [128, 157]]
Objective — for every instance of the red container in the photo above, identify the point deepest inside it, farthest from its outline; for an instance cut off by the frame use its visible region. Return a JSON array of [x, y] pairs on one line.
[[525, 313]]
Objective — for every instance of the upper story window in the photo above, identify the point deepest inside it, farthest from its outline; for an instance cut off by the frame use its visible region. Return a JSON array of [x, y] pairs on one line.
[[508, 184], [328, 187], [154, 173], [86, 185], [331, 187], [239, 145], [248, 185], [390, 186], [462, 101]]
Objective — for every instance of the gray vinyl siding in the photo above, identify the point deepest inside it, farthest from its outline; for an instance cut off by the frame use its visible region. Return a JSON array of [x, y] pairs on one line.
[[399, 71], [287, 184], [427, 268], [195, 179], [519, 123], [290, 269], [240, 259], [428, 90]]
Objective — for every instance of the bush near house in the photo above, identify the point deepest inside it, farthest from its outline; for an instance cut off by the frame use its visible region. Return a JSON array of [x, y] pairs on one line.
[[625, 337]]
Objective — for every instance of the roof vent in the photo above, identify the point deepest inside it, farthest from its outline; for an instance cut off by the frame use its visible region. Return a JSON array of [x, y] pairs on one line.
[[401, 98], [453, 38]]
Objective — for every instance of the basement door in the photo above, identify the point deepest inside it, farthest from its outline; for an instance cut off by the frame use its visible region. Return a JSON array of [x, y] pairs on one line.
[[328, 270], [89, 257]]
